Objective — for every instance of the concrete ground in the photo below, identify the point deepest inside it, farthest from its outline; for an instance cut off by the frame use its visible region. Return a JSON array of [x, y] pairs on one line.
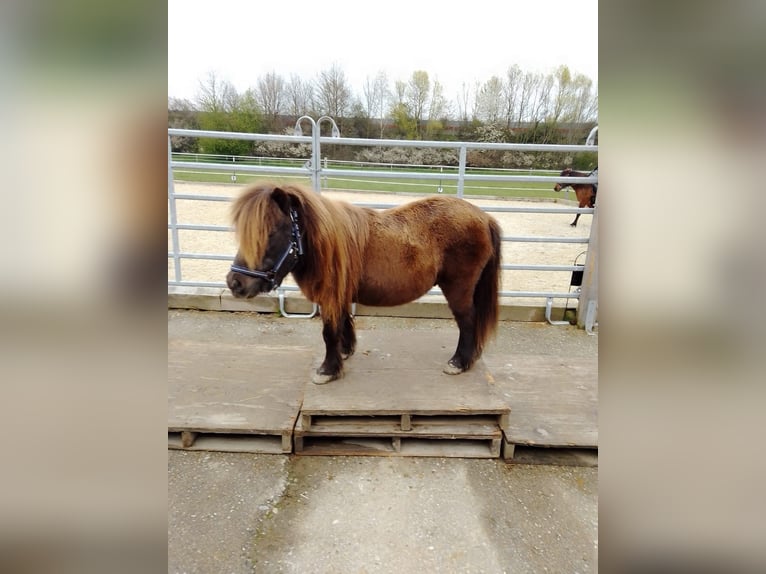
[[237, 513]]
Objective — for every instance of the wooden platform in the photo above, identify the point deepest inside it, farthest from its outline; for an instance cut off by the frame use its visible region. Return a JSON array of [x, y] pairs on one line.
[[554, 402], [395, 400], [232, 397]]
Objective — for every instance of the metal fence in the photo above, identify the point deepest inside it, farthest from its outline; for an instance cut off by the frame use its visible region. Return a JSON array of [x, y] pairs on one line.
[[586, 293]]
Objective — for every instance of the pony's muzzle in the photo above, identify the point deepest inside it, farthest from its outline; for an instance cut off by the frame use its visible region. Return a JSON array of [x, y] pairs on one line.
[[244, 287]]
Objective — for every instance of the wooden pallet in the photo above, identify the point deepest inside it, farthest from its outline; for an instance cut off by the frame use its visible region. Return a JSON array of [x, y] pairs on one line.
[[228, 397], [569, 456], [230, 442], [388, 435], [554, 401], [394, 400]]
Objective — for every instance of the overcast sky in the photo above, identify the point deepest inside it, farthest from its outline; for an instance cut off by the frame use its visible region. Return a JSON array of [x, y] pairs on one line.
[[469, 41]]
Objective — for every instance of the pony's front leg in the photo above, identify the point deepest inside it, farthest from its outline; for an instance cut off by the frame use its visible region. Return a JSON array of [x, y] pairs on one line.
[[332, 366]]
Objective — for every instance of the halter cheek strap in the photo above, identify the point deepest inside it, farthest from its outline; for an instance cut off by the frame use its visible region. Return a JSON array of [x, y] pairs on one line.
[[286, 263]]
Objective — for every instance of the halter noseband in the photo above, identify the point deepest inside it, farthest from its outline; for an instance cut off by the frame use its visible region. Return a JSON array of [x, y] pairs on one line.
[[288, 260]]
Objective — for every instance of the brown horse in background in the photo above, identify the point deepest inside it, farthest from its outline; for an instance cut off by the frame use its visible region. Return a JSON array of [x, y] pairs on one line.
[[341, 254], [585, 192]]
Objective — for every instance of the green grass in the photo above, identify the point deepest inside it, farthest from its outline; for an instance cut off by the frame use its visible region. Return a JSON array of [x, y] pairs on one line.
[[357, 181]]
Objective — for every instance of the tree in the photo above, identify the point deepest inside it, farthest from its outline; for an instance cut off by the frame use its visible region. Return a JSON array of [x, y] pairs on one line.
[[299, 96], [438, 107], [490, 102], [376, 93], [417, 93], [182, 115], [437, 111], [213, 93], [526, 96], [223, 109], [400, 92], [333, 94], [464, 102], [270, 95], [535, 105], [511, 92], [539, 103], [404, 124]]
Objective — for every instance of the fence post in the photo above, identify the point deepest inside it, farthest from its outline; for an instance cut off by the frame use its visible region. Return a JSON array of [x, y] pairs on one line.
[[588, 303], [173, 216], [461, 171]]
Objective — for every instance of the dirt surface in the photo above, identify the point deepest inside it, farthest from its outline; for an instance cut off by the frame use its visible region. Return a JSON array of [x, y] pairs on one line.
[[513, 224]]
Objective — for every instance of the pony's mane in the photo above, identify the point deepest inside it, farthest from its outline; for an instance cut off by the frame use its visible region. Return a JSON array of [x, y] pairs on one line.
[[336, 234], [253, 214]]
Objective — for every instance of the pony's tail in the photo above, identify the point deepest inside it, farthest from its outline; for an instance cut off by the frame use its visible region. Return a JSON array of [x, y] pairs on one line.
[[485, 295]]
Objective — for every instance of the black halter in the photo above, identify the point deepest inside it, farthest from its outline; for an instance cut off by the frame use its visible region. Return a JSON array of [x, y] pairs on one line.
[[286, 263]]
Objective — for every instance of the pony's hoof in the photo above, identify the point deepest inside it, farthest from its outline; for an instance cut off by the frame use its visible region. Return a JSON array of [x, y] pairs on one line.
[[451, 369], [320, 379]]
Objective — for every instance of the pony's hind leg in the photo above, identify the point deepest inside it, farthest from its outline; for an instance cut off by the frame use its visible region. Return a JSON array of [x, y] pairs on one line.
[[347, 336], [460, 300], [332, 366], [465, 353]]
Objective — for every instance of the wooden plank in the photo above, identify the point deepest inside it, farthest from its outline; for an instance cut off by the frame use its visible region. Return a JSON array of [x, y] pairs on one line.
[[423, 427], [365, 446], [553, 400], [257, 444], [217, 387], [550, 456], [287, 442], [496, 446], [334, 446], [392, 374]]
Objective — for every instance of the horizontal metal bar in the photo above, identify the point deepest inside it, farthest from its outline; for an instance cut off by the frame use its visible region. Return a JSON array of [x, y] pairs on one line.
[[495, 209], [530, 178], [432, 176], [238, 167], [457, 145], [514, 267], [212, 256], [572, 295], [540, 294], [222, 285], [196, 284], [546, 239], [238, 136], [203, 197], [538, 209], [383, 142], [509, 294], [508, 266], [584, 210], [193, 227]]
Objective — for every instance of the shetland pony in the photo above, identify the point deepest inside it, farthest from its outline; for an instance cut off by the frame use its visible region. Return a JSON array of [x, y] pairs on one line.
[[585, 192], [341, 254]]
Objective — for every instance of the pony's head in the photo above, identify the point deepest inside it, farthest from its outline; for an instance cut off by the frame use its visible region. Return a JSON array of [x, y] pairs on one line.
[[269, 237], [566, 173]]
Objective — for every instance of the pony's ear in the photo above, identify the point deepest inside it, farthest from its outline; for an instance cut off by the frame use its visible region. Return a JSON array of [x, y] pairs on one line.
[[282, 199]]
